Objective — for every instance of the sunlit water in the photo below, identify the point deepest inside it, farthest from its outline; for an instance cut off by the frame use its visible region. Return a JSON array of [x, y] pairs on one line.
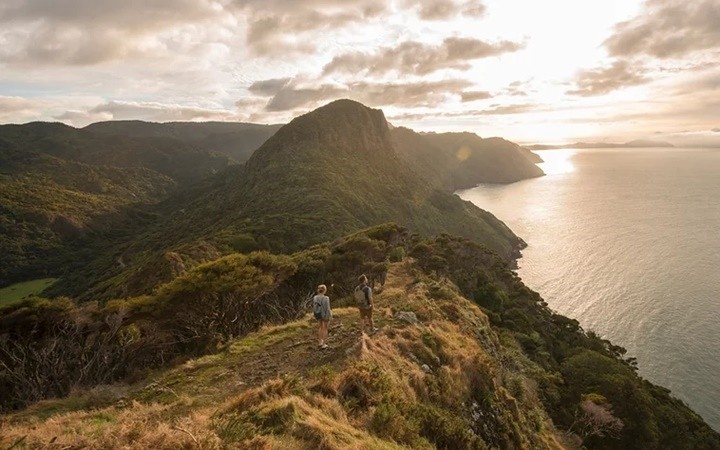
[[627, 241]]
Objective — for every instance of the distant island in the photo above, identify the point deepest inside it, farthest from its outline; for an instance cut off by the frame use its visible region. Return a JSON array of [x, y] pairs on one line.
[[638, 143]]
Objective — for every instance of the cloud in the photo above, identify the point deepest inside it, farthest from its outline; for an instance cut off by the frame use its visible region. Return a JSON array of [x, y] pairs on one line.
[[14, 108], [607, 79], [85, 32], [494, 110], [295, 94], [516, 88], [283, 27], [289, 98], [149, 111], [470, 96], [247, 106], [277, 26], [437, 9], [715, 130], [668, 29], [413, 57], [127, 15], [268, 87], [414, 94], [505, 109], [446, 9], [81, 118]]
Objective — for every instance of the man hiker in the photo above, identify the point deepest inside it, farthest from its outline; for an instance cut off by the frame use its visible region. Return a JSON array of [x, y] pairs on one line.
[[364, 300]]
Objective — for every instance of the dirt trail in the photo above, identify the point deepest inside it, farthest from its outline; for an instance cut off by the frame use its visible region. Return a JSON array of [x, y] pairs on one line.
[[284, 350]]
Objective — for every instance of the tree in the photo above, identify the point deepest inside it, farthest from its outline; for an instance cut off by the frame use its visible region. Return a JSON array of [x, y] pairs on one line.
[[594, 417]]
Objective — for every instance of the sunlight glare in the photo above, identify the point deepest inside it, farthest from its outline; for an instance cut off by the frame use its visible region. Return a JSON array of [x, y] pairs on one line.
[[557, 162]]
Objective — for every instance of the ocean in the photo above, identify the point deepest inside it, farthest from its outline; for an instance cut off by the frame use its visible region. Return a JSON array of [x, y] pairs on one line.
[[627, 241]]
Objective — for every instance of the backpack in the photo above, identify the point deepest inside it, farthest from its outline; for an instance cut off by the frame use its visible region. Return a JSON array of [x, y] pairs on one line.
[[317, 308], [359, 295]]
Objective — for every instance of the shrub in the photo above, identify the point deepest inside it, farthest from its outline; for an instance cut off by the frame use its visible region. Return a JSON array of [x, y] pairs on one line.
[[397, 254]]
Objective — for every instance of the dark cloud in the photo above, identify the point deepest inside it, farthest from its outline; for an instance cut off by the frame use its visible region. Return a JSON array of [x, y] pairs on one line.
[[289, 98], [470, 96], [277, 26], [607, 79], [437, 9], [469, 48], [715, 130], [251, 104], [412, 57], [128, 15], [668, 28], [83, 32], [446, 9], [268, 87], [277, 34]]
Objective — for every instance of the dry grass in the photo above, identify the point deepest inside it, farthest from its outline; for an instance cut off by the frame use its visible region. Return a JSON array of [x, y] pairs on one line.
[[409, 386]]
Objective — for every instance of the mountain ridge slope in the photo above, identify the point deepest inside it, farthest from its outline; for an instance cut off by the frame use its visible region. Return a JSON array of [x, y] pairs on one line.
[[326, 173]]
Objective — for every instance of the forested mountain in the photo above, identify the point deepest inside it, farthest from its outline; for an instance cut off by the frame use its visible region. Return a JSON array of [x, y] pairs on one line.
[[182, 161], [64, 189], [340, 166], [462, 160], [48, 204], [324, 174], [235, 140]]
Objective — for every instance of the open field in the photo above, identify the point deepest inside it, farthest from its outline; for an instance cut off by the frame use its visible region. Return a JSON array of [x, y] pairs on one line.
[[18, 291]]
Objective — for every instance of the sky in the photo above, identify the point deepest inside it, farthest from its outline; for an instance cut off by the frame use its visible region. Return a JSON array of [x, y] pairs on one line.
[[533, 71]]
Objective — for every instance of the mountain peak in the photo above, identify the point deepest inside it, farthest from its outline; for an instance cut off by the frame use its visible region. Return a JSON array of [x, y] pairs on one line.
[[342, 127], [343, 113]]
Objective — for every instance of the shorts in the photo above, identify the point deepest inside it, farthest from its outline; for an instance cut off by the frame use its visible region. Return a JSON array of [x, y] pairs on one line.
[[366, 312]]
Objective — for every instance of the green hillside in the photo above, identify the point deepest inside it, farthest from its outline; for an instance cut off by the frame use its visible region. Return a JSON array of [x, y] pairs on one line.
[[236, 140], [49, 205], [179, 160], [326, 173], [462, 160], [66, 194]]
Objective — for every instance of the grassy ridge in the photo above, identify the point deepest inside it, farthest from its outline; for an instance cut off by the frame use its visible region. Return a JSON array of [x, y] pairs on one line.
[[495, 370], [410, 386]]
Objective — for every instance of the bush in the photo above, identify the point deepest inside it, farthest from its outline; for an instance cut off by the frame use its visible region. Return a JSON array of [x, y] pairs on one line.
[[397, 254]]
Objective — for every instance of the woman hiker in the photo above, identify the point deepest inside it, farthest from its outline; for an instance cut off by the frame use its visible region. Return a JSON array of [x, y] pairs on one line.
[[322, 313]]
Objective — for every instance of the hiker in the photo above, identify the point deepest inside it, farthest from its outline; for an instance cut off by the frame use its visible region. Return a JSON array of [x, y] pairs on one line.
[[364, 300], [322, 313]]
